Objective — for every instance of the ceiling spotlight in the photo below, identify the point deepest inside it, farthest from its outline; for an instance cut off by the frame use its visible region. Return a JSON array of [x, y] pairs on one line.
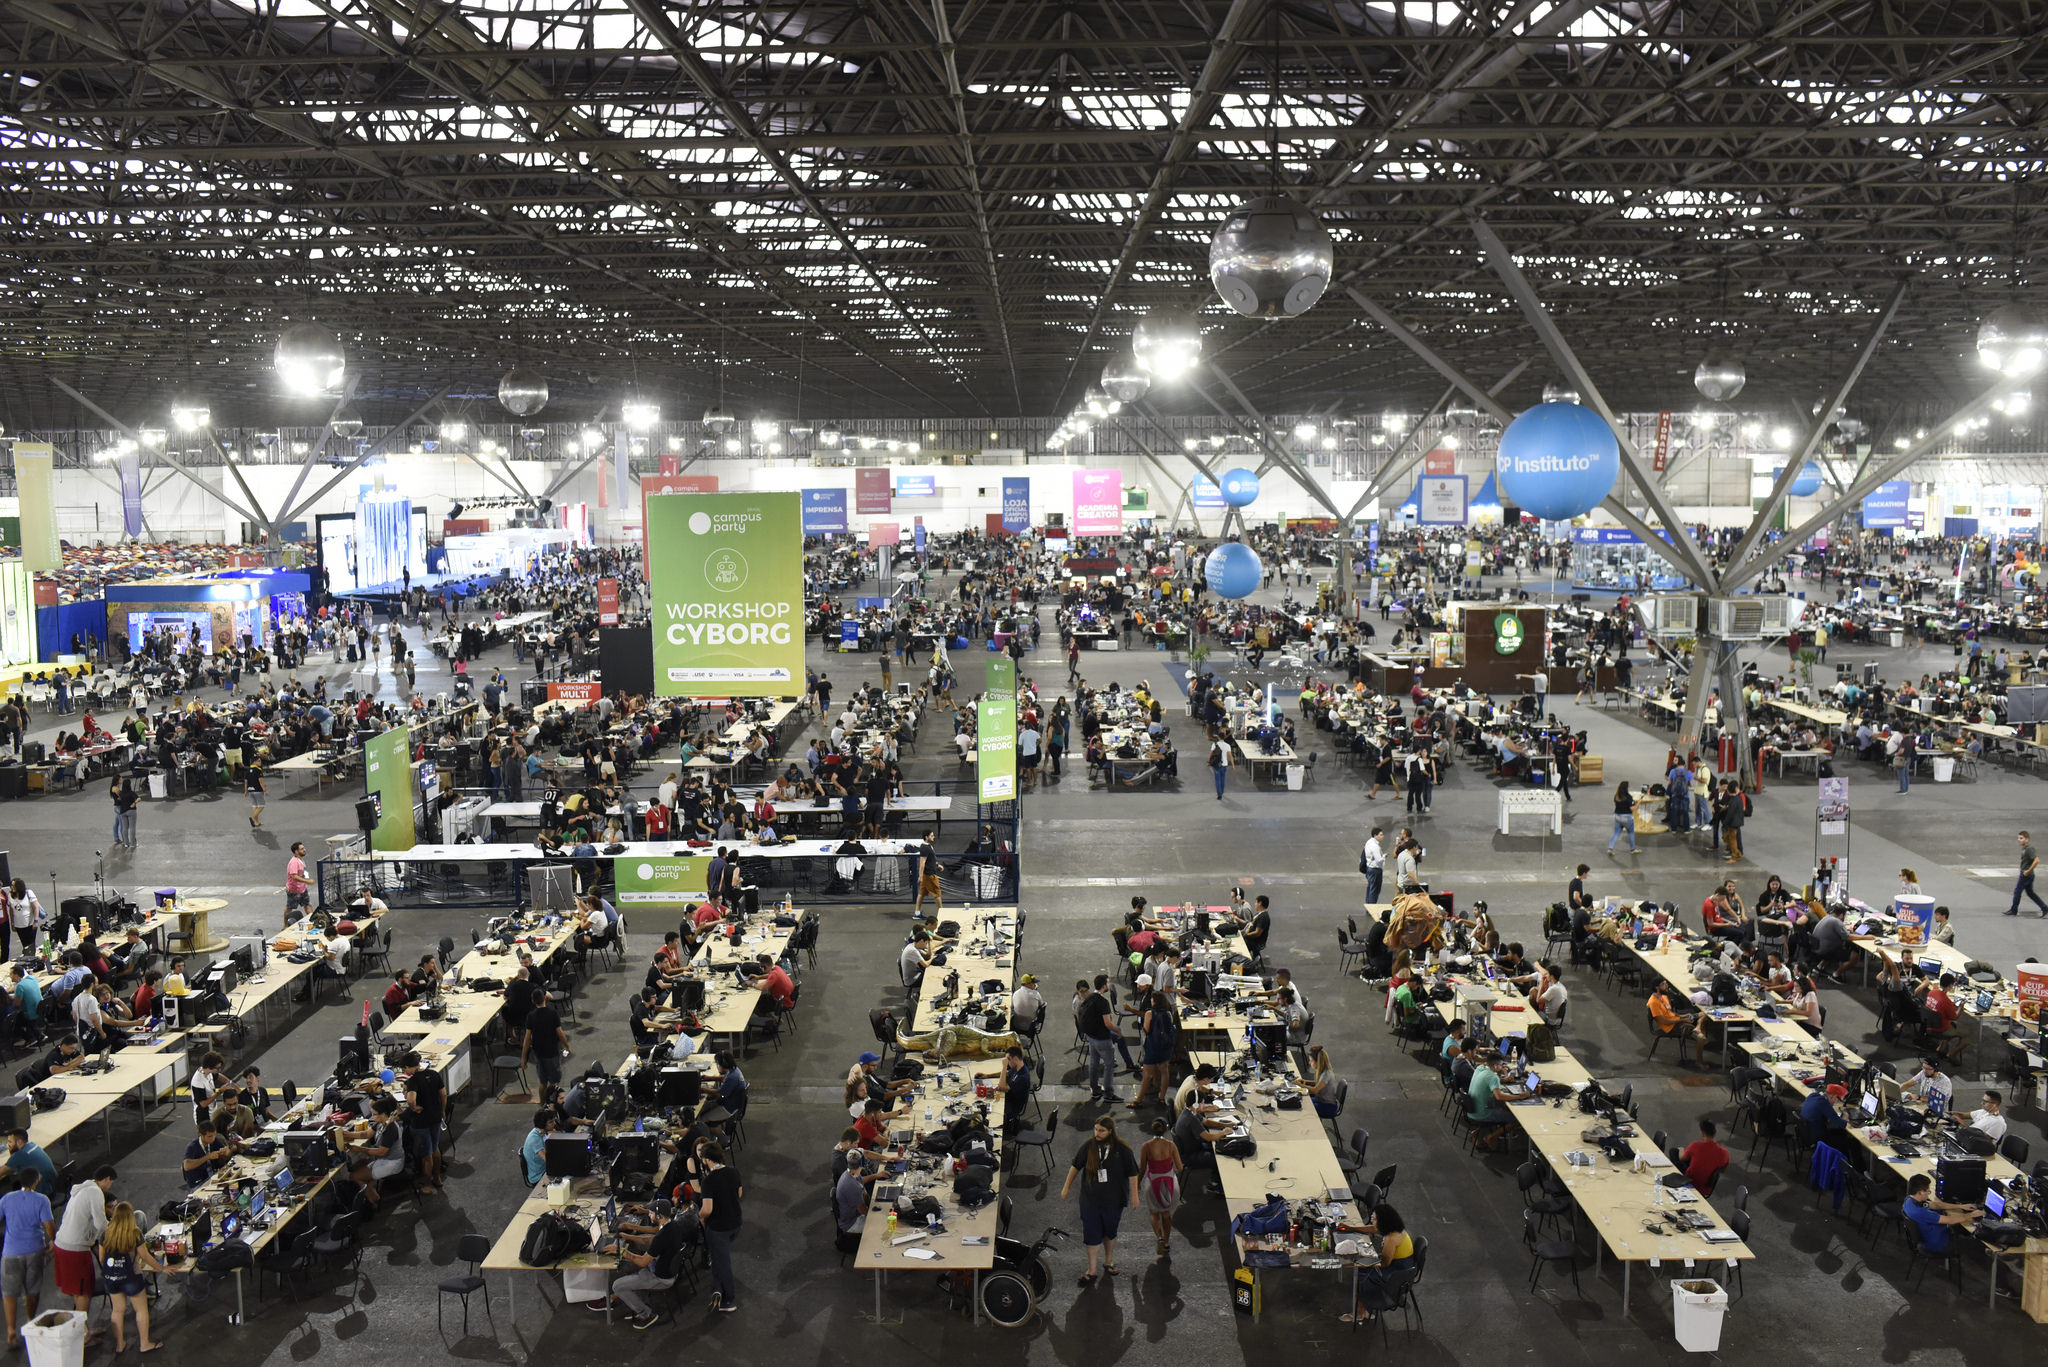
[[764, 429], [732, 446], [1304, 431], [1394, 422], [191, 417], [2015, 403], [1329, 443], [2012, 340], [828, 436], [309, 359], [1752, 429], [1901, 443], [1080, 423], [718, 417], [1098, 403], [1449, 441], [299, 448], [1379, 439], [153, 438], [1166, 344], [800, 428], [1781, 436], [593, 437], [454, 431], [639, 414], [1557, 391]]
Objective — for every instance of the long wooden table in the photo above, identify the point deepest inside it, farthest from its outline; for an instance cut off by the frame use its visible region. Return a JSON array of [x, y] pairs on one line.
[[585, 1193], [943, 1094]]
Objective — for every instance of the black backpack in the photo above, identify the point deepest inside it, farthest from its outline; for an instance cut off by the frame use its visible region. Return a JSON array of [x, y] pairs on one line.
[[550, 1239]]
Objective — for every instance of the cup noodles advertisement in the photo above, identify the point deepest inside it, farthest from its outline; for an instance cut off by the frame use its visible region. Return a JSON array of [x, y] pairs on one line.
[[1098, 502], [2030, 982]]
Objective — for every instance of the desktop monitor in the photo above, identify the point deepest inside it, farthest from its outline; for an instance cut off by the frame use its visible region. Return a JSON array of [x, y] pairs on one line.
[[309, 1151], [567, 1155], [283, 1180], [678, 1088], [1994, 1203], [352, 1057], [222, 978], [689, 994], [1960, 1180]]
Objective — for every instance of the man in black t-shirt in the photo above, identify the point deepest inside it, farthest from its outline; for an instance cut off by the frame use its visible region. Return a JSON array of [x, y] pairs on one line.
[[65, 1058], [1099, 1029], [544, 1041], [655, 1261], [518, 1000], [426, 1101]]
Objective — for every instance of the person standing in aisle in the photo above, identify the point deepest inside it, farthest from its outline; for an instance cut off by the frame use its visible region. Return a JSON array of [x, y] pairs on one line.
[[123, 794], [252, 784], [1219, 760], [719, 1208]]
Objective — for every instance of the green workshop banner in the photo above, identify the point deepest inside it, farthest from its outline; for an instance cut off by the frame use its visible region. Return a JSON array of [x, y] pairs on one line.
[[387, 773], [995, 732], [726, 573]]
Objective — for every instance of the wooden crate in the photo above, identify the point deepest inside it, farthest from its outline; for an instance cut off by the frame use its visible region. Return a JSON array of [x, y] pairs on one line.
[[1591, 768]]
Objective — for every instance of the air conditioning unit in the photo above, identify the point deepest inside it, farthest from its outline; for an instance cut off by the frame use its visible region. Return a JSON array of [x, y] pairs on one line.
[[1670, 614], [1736, 619], [1782, 612]]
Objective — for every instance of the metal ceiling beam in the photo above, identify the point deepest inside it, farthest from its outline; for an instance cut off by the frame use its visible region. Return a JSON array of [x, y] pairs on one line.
[[1680, 550], [317, 451], [1404, 460], [1874, 474], [375, 448], [270, 532], [164, 454], [1226, 50], [1816, 429], [1256, 426], [1429, 356]]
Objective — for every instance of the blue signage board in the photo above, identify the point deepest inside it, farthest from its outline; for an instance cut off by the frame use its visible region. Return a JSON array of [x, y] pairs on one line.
[[824, 510], [1016, 503], [1885, 506], [917, 486]]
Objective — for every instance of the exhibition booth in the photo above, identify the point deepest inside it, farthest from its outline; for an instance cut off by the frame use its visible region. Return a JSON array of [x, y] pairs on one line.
[[214, 611]]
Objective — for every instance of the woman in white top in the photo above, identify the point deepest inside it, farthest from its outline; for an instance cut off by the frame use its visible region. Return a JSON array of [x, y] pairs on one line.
[[24, 916], [1909, 883], [1804, 1003]]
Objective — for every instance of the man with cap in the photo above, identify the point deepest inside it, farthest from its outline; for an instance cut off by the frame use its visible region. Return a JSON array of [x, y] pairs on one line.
[[872, 1083], [1822, 1112], [655, 1254], [1027, 1007]]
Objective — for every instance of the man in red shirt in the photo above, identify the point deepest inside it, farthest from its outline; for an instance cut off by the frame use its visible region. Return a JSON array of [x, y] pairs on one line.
[[1938, 1001], [657, 821], [774, 982], [1704, 1159], [398, 996]]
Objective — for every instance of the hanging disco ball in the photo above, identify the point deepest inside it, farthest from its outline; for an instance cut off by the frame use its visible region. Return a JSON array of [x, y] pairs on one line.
[[524, 392], [347, 423], [1557, 391], [1271, 258], [309, 359], [1720, 377], [1166, 344], [2012, 339], [1124, 380], [1232, 570], [718, 417]]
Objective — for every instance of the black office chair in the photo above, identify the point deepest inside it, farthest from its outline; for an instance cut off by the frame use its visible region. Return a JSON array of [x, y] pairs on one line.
[[291, 1261], [471, 1249], [1351, 1163], [1348, 950], [1038, 1139], [1384, 1294], [1739, 1222], [1529, 1177], [290, 1092], [1384, 1178], [1923, 1257], [1552, 1251], [2013, 1149], [376, 953]]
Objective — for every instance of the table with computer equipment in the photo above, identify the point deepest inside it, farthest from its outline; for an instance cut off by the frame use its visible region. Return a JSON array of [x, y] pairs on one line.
[[950, 1237], [147, 1068], [726, 1007], [1910, 1139], [253, 1200]]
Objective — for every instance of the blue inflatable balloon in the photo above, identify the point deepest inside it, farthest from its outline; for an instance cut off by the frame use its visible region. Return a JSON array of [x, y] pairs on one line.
[[1240, 487], [1806, 483], [1557, 460], [1233, 570], [386, 1076]]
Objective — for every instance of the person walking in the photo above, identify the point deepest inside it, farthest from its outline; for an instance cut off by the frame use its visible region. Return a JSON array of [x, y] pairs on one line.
[[2030, 864], [1219, 760], [719, 1208], [298, 889], [25, 1256], [128, 1262], [1624, 817], [1159, 1180], [252, 784], [1108, 1173]]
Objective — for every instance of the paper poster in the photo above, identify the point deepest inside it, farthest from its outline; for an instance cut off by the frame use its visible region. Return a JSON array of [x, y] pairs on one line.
[[1440, 501]]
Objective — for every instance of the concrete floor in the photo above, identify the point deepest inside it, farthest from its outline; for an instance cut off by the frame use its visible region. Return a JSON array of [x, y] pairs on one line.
[[1085, 853]]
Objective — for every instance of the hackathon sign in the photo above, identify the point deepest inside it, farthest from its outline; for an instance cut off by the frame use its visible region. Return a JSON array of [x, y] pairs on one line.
[[726, 576]]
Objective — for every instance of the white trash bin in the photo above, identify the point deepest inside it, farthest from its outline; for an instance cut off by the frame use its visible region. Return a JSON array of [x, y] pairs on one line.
[[1944, 768], [1697, 1308], [55, 1338], [159, 787], [1295, 774]]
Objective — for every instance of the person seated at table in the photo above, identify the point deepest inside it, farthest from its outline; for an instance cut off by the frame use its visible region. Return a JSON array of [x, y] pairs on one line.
[[1396, 1249], [533, 1150], [67, 1057], [1933, 1217], [1930, 1084], [1486, 1100], [398, 995], [1323, 1085], [1704, 1159], [1725, 917], [142, 1006], [1832, 951], [1825, 1124], [232, 1115], [207, 1153], [1667, 1019]]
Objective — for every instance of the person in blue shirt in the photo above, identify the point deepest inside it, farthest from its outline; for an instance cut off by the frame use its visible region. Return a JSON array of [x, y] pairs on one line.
[[731, 1104], [1931, 1215], [22, 1154], [28, 1003], [1823, 1117], [533, 1150], [30, 1226]]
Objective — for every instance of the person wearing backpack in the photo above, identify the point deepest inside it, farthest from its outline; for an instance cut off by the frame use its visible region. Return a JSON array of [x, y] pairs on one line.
[[1901, 749], [1219, 761]]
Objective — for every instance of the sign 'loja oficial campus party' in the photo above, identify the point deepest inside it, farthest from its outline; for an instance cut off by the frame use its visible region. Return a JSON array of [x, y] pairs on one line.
[[726, 577]]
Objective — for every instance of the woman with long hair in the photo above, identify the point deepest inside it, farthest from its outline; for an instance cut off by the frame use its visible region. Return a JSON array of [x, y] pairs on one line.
[[125, 1262], [1159, 1184], [1624, 817], [1108, 1173], [1396, 1247]]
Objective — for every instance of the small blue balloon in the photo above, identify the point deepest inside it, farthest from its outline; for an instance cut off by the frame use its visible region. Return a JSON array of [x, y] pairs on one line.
[[1233, 570], [1240, 487], [386, 1076], [1558, 460], [1806, 483]]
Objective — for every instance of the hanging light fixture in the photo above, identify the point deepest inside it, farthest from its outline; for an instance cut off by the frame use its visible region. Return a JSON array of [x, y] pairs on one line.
[[1166, 344], [1271, 258], [190, 416], [1720, 377], [765, 429], [718, 417], [1557, 391], [1099, 403], [2012, 340], [1124, 380], [523, 392], [639, 414], [309, 359]]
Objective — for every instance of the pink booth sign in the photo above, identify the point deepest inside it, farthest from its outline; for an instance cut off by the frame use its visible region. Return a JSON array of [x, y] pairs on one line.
[[1098, 502]]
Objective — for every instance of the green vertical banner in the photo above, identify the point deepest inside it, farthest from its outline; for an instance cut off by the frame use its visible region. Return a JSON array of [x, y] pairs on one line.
[[726, 575], [387, 774], [996, 733], [35, 483]]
